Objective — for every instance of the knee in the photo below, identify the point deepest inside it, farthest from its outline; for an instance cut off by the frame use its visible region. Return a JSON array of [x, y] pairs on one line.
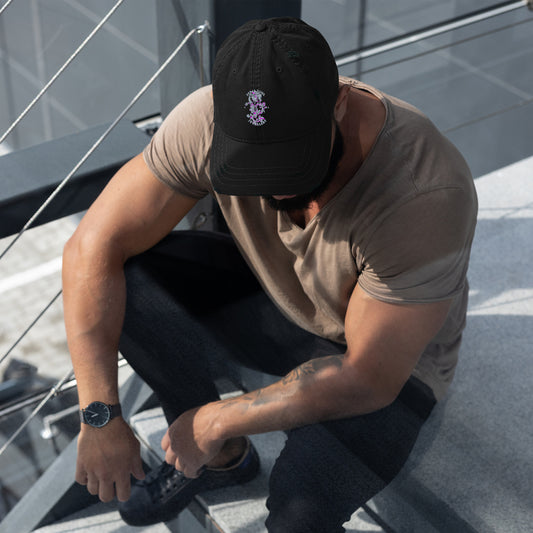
[[299, 514], [311, 485]]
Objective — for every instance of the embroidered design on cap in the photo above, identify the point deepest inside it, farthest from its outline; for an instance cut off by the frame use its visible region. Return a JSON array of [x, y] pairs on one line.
[[256, 107]]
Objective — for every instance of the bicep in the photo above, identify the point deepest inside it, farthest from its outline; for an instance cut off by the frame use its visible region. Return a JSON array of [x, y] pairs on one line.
[[385, 341], [134, 211]]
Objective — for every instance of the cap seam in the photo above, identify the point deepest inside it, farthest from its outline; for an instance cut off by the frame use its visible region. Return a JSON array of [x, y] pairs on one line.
[[278, 39], [227, 56], [274, 141]]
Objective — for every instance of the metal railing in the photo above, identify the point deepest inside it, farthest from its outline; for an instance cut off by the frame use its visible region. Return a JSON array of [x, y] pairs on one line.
[[62, 383], [431, 31], [198, 30], [60, 71], [67, 382], [4, 7], [356, 56]]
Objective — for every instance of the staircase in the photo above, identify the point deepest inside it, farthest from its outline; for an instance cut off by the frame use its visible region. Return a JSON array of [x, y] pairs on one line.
[[239, 509]]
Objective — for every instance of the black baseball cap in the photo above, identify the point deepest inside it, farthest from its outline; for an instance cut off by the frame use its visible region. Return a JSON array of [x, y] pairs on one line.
[[275, 84]]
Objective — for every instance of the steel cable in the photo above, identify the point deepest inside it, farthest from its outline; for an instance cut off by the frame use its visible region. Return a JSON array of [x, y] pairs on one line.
[[51, 393], [35, 397], [2, 9], [60, 71], [54, 390], [26, 331], [199, 29], [58, 189]]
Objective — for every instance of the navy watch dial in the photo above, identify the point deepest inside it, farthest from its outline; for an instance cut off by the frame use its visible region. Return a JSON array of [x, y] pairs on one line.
[[97, 414]]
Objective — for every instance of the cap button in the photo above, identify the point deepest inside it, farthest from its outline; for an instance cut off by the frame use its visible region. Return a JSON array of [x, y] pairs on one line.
[[260, 26]]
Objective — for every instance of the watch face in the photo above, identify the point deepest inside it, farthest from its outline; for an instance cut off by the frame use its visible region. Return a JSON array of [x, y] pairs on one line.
[[97, 414]]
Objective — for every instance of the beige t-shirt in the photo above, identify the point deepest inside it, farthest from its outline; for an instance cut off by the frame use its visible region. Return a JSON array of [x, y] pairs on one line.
[[401, 228]]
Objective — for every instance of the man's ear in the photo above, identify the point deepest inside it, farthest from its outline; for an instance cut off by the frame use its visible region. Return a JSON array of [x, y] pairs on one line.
[[341, 105]]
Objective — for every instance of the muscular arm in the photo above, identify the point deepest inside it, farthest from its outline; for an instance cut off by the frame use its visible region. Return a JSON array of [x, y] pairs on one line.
[[133, 213], [384, 342]]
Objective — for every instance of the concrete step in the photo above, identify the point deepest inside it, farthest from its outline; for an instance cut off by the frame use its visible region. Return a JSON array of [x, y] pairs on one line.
[[235, 509], [240, 508], [104, 518]]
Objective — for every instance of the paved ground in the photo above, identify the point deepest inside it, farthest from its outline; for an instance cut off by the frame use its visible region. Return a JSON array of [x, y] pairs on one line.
[[30, 277], [472, 468]]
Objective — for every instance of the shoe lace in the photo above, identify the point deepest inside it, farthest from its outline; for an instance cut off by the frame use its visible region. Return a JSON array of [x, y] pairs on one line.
[[162, 480]]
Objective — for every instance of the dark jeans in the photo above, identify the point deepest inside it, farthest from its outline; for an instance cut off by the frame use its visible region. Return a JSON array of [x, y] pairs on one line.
[[191, 296]]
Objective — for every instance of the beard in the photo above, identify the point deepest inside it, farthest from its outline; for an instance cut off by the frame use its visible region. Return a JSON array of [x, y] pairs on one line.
[[303, 200]]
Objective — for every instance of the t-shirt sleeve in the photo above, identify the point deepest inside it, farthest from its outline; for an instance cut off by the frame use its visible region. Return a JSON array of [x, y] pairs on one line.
[[178, 153], [419, 252]]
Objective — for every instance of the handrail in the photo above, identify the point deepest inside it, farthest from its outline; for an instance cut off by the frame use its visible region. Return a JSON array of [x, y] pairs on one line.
[[2, 9], [51, 393], [35, 397], [67, 382], [54, 390], [430, 31], [60, 71], [447, 45], [199, 29]]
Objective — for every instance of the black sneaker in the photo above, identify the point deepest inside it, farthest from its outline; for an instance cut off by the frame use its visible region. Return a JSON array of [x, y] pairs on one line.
[[165, 491]]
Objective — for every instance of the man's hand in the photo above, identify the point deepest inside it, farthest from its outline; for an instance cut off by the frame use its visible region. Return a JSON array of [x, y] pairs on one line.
[[132, 214], [106, 458], [189, 443]]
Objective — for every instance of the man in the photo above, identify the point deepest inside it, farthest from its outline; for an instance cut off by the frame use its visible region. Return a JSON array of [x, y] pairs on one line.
[[355, 219]]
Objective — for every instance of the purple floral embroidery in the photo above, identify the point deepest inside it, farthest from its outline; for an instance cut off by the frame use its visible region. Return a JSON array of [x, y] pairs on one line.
[[256, 107]]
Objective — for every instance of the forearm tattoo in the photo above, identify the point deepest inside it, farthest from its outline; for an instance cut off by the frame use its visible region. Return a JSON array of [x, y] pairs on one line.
[[312, 367], [301, 373]]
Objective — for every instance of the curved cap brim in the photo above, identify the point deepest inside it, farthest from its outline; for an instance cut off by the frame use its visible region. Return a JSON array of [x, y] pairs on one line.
[[293, 166]]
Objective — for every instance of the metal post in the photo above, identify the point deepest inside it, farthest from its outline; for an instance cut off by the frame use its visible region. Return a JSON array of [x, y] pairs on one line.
[[184, 75], [230, 14]]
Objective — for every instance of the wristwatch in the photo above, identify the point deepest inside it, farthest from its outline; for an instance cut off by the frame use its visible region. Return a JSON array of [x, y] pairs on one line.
[[98, 414]]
